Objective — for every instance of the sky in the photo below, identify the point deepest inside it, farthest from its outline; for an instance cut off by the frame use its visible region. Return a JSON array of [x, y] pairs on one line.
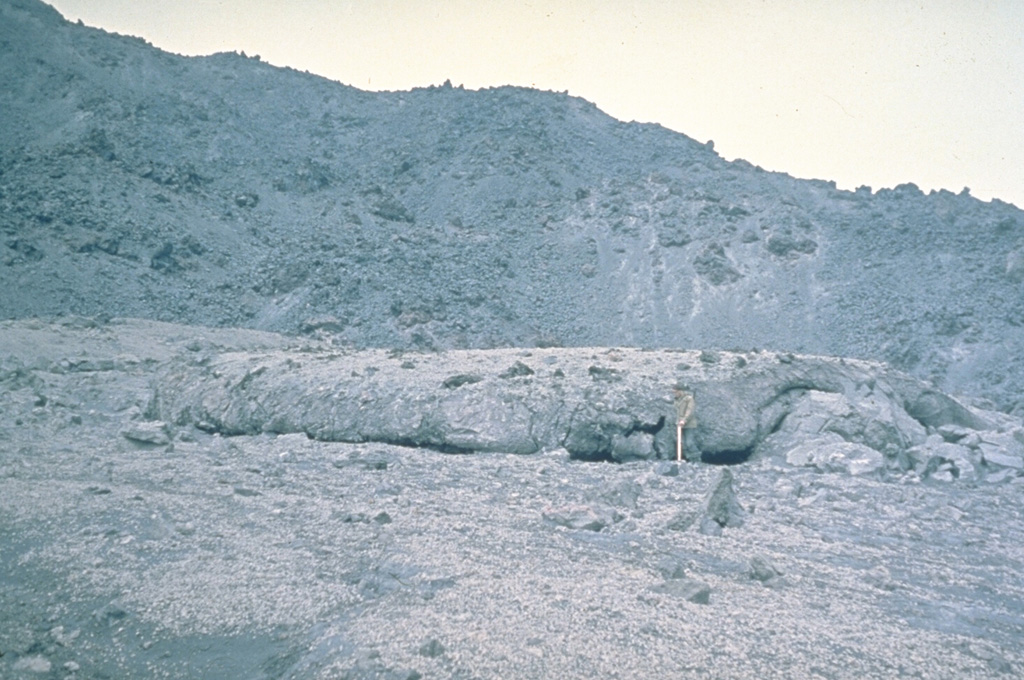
[[862, 92]]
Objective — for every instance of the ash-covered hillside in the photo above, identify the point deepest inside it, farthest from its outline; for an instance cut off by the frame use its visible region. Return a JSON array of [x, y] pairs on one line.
[[224, 191]]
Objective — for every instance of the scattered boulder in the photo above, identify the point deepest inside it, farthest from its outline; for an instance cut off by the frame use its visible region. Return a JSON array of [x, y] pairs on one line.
[[673, 567], [995, 457], [588, 441], [937, 455], [789, 246], [682, 521], [375, 462], [392, 210], [666, 468], [952, 433], [163, 259], [634, 445], [1002, 449], [148, 432], [687, 589], [456, 381], [63, 637], [516, 370], [328, 324], [583, 518], [721, 507], [431, 649], [623, 494], [247, 199], [935, 409], [673, 235], [714, 266], [110, 614], [604, 432], [1000, 476], [600, 373], [761, 569], [836, 455], [727, 426], [710, 356]]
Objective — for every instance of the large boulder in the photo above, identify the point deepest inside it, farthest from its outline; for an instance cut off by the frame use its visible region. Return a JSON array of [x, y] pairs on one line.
[[1003, 449], [721, 507], [936, 457], [832, 454], [865, 417], [935, 409]]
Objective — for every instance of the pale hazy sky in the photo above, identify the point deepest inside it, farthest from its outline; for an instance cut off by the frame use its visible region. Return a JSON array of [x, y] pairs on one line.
[[875, 92]]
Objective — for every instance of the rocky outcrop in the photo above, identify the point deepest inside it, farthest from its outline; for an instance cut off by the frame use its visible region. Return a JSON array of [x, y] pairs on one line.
[[598, 404], [721, 508]]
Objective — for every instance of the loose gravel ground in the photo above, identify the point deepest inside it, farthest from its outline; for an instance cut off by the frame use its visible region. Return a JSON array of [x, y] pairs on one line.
[[282, 557]]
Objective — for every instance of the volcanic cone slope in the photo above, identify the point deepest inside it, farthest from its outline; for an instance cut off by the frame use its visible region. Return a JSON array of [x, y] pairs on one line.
[[225, 191]]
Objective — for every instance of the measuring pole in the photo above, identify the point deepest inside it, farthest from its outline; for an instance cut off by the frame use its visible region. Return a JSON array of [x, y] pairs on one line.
[[679, 441]]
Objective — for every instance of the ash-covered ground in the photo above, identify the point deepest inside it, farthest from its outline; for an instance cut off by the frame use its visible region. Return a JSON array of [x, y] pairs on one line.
[[137, 547]]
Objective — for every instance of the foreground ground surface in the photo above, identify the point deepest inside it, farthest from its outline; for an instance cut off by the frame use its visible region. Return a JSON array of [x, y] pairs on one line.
[[277, 556]]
